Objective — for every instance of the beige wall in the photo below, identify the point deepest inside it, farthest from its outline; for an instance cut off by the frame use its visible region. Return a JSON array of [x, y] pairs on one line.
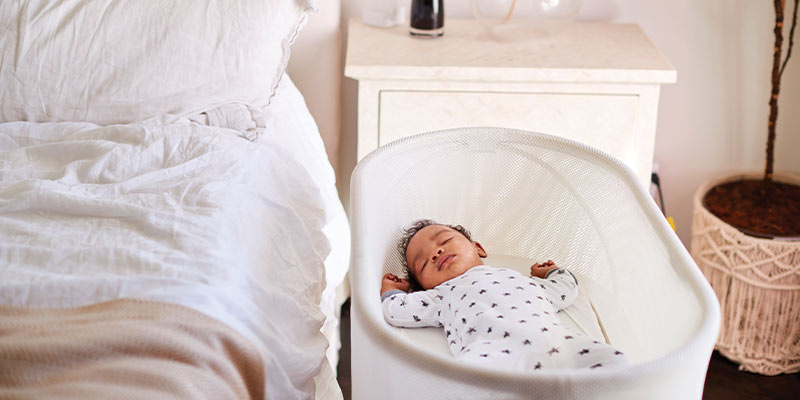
[[713, 120], [319, 47]]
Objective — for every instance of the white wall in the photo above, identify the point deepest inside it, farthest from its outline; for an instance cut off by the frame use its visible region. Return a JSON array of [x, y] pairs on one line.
[[320, 43], [714, 119]]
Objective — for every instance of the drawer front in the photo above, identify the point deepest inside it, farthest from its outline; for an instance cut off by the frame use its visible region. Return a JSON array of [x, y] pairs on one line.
[[604, 121]]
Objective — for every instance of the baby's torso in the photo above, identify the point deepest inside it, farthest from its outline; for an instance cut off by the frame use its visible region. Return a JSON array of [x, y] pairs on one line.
[[496, 304]]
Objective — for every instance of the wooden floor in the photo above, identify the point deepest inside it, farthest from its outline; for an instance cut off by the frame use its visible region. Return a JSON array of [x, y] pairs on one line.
[[723, 382]]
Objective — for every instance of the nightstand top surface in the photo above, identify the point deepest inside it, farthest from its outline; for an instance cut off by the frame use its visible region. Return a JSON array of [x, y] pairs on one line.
[[567, 52]]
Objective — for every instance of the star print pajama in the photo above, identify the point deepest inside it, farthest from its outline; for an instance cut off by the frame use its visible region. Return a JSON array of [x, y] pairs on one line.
[[499, 317]]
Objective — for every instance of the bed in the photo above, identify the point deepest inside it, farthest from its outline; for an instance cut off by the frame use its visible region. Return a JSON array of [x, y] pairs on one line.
[[169, 221]]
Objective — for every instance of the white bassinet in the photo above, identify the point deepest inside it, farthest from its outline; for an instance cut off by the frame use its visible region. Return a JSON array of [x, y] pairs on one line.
[[536, 197]]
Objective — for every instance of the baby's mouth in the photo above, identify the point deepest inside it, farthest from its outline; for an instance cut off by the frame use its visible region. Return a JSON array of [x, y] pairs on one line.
[[445, 260]]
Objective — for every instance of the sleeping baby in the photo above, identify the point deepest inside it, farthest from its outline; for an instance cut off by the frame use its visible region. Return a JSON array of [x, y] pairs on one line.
[[492, 316]]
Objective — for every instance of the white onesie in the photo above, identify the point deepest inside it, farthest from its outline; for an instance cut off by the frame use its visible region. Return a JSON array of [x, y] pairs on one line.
[[499, 317]]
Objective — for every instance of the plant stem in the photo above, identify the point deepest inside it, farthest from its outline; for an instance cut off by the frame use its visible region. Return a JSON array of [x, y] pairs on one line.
[[791, 37], [776, 88]]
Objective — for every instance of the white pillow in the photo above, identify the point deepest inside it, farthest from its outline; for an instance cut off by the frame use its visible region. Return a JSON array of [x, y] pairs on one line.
[[119, 61]]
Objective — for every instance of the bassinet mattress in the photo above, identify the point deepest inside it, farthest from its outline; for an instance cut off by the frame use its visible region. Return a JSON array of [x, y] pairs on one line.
[[175, 212]]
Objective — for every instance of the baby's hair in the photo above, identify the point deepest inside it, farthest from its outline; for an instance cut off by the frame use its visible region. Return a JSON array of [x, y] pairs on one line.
[[409, 233]]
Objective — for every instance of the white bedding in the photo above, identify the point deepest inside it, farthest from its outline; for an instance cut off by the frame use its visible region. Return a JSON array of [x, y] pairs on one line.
[[183, 213]]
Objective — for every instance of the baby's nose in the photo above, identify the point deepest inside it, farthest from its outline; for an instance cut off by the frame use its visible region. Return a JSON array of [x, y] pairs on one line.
[[438, 253]]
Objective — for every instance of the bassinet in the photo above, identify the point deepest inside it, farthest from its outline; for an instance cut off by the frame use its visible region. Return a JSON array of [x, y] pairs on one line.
[[540, 197]]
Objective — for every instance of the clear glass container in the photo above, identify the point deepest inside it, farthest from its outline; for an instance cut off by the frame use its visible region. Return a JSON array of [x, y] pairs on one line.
[[520, 19]]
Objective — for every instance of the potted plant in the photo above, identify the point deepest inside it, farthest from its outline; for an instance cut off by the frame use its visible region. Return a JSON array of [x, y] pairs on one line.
[[746, 240]]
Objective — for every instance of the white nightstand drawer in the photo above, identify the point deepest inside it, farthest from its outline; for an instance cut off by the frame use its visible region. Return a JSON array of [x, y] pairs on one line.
[[600, 120]]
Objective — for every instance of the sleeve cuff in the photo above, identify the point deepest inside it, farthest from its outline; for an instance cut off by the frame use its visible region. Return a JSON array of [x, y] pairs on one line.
[[560, 271], [389, 293]]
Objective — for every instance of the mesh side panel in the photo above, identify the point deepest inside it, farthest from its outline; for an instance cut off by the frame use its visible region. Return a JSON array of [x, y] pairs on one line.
[[539, 197]]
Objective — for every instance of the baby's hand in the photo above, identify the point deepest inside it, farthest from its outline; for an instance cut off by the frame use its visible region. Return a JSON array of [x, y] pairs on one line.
[[541, 270], [392, 282]]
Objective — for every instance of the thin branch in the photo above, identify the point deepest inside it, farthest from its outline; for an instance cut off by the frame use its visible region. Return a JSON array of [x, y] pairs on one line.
[[776, 88], [791, 37]]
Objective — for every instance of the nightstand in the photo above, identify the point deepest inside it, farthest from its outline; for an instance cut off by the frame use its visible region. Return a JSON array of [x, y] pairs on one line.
[[597, 83]]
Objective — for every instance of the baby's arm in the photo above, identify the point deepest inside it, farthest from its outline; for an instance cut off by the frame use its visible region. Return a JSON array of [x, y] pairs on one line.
[[410, 310], [561, 287]]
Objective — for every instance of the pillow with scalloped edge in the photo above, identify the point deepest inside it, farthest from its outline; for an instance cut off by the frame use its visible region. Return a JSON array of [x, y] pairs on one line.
[[121, 61]]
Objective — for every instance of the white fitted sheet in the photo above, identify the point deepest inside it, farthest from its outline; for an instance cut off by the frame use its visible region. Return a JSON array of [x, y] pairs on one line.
[[246, 232]]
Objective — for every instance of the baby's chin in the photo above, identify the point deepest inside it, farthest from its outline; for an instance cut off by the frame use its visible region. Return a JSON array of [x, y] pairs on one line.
[[465, 269]]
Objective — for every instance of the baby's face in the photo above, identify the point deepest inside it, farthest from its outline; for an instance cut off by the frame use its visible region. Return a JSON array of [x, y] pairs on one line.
[[438, 253]]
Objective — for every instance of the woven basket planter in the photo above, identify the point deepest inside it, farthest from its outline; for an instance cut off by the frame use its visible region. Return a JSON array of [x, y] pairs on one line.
[[757, 282]]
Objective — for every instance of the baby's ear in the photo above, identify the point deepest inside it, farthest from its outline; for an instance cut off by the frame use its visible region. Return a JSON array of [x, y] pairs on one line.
[[481, 251]]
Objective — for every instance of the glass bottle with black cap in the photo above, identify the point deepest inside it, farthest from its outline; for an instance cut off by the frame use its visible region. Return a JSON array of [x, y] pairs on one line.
[[427, 18]]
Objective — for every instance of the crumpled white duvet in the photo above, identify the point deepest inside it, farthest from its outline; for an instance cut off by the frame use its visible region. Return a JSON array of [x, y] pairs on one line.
[[182, 213]]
